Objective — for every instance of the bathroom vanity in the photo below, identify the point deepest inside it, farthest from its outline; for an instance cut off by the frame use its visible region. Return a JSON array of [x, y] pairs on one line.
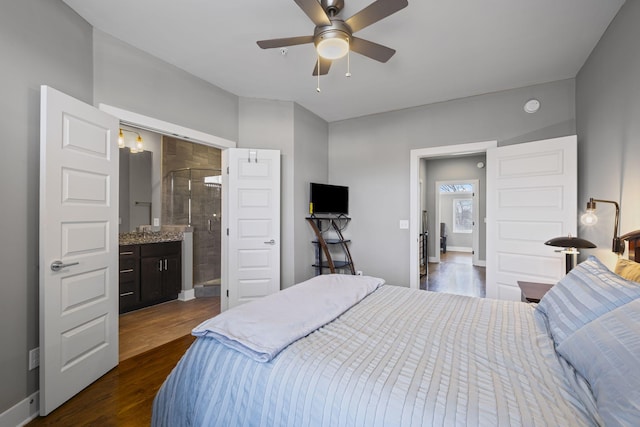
[[150, 269]]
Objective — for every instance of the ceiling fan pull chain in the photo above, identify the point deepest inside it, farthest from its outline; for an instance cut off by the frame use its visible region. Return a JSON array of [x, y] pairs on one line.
[[349, 59], [318, 88]]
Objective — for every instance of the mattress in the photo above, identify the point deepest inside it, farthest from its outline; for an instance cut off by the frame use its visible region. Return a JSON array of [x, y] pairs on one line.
[[400, 357]]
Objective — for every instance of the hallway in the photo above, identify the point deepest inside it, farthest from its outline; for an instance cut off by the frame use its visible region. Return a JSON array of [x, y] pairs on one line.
[[455, 274]]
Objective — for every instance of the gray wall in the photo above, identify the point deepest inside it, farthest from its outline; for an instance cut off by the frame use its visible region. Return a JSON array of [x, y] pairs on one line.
[[608, 123], [371, 155], [41, 42], [451, 169], [133, 80]]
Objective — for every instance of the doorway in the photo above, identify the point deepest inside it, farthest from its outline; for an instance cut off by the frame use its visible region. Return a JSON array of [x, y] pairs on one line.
[[457, 226], [181, 316], [415, 208]]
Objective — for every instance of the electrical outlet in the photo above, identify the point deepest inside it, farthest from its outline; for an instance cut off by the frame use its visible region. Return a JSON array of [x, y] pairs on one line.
[[359, 273], [34, 358]]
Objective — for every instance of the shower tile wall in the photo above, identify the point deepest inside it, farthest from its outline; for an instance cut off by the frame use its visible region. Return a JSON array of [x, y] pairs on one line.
[[178, 154]]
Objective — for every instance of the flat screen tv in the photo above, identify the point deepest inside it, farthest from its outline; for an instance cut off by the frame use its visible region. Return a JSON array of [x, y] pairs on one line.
[[328, 199]]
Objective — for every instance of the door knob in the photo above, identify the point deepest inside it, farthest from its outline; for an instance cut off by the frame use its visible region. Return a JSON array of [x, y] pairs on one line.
[[270, 242], [59, 265]]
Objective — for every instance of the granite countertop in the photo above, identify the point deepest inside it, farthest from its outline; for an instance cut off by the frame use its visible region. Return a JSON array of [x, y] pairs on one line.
[[137, 238]]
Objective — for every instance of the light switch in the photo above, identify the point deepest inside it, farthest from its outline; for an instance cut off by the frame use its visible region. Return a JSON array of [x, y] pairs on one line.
[[404, 224]]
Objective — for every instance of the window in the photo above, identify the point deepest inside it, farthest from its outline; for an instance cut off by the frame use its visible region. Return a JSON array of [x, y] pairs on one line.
[[456, 188], [463, 215]]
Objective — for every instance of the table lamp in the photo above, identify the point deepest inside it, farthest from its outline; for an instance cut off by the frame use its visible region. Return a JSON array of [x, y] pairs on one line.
[[571, 245]]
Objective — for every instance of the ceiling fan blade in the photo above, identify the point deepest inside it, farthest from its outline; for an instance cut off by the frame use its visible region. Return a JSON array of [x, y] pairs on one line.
[[287, 41], [325, 64], [372, 50], [373, 13], [314, 11]]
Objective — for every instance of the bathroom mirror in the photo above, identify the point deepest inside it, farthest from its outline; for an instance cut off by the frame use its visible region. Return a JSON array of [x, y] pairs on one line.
[[136, 207]]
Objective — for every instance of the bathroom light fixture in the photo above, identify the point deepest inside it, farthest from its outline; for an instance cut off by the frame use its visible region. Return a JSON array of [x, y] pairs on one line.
[[121, 139], [590, 218], [571, 245], [138, 147]]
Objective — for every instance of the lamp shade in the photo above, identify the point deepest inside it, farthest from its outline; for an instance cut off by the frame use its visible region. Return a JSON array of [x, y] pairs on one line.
[[569, 242]]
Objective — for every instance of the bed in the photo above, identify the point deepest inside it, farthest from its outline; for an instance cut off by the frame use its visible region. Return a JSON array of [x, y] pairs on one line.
[[353, 351]]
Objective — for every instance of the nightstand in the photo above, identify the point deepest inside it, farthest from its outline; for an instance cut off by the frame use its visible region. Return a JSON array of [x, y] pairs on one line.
[[533, 291]]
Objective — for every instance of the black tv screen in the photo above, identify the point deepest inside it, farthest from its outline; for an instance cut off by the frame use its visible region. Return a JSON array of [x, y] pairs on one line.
[[328, 199]]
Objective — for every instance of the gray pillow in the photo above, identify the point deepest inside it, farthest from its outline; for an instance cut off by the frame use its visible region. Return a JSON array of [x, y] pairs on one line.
[[584, 294], [606, 352]]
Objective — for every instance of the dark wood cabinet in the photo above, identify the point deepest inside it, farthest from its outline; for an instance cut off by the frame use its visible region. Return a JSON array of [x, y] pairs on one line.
[[129, 278], [156, 274]]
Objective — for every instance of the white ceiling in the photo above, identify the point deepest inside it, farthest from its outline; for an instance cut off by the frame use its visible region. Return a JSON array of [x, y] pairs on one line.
[[446, 49]]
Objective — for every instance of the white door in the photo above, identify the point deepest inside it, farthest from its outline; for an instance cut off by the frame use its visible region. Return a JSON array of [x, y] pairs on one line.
[[79, 232], [531, 198], [251, 225]]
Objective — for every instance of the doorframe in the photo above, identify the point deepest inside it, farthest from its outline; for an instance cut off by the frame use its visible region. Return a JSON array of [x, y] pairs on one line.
[[131, 118], [162, 127], [414, 194], [475, 237]]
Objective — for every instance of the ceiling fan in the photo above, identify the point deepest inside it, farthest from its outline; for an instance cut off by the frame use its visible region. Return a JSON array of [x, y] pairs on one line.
[[333, 37]]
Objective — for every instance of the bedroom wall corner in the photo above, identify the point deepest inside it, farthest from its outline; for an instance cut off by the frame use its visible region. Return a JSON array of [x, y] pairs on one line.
[[608, 125], [311, 164], [43, 42]]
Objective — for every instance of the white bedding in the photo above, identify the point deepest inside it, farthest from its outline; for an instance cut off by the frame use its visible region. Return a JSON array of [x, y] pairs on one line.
[[400, 357], [262, 328]]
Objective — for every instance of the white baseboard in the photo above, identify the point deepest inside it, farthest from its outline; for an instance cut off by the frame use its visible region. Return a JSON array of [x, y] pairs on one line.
[[187, 295], [459, 249], [22, 412]]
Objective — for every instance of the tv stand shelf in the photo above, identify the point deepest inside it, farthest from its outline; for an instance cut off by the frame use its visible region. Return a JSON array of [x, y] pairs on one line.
[[324, 257]]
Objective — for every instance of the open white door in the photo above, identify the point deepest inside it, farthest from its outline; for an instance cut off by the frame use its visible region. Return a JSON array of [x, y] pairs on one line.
[[251, 225], [78, 246], [531, 198]]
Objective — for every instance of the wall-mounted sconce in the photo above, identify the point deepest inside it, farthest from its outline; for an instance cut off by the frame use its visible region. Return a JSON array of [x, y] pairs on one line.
[[571, 245], [139, 145], [590, 218]]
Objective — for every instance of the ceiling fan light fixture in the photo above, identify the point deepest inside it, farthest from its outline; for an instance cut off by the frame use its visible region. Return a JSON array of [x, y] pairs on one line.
[[333, 45]]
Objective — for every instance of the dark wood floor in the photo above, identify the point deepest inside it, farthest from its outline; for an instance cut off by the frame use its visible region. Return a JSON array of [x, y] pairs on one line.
[[123, 396], [142, 330], [152, 340], [455, 274]]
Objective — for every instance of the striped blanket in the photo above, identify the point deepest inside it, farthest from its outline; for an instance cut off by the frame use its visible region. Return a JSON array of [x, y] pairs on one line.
[[400, 357]]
